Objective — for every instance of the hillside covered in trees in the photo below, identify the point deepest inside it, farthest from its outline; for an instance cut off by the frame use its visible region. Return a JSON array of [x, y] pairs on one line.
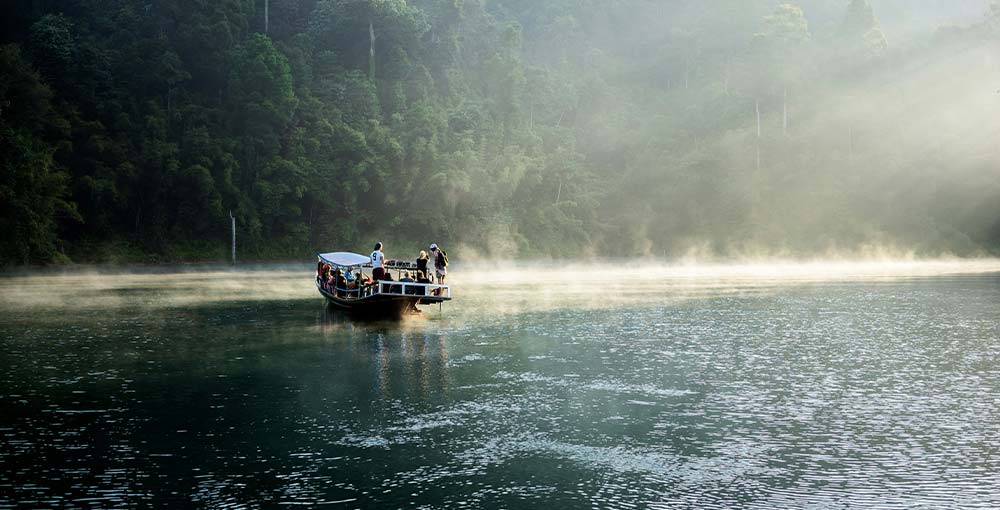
[[517, 128]]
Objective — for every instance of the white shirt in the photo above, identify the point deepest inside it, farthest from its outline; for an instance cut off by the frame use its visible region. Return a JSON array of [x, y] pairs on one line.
[[377, 258]]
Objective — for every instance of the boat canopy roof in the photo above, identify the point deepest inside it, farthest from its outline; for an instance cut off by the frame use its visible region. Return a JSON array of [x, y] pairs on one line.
[[344, 259]]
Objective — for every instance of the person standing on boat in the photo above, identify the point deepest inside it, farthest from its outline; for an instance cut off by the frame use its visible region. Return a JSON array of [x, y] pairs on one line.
[[378, 270], [440, 263]]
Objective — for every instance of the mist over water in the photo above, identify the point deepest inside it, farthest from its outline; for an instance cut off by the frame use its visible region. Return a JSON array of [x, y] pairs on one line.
[[756, 385], [592, 283]]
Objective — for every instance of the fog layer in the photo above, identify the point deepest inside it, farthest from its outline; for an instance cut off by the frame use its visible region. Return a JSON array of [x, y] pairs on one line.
[[482, 288]]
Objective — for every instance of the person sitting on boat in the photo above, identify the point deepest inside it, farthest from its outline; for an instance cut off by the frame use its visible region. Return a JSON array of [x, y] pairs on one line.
[[326, 278], [378, 258], [422, 277], [422, 261], [341, 282], [406, 279], [395, 289], [360, 282]]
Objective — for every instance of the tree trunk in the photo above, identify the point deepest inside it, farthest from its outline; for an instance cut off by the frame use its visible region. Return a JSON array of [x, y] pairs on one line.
[[138, 216], [757, 108], [725, 79], [850, 145], [371, 50], [265, 16], [312, 216], [687, 72], [531, 116], [784, 111], [758, 157], [232, 220]]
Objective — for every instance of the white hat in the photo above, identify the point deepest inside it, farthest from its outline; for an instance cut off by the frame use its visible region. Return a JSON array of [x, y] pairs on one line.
[[434, 246]]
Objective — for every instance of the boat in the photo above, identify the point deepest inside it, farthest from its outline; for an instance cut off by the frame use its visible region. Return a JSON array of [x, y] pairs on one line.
[[380, 299]]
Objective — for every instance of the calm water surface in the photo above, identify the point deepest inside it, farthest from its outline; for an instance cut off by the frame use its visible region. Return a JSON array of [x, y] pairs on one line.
[[714, 388]]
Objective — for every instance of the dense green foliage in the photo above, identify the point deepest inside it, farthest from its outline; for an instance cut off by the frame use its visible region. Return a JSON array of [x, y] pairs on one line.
[[514, 128]]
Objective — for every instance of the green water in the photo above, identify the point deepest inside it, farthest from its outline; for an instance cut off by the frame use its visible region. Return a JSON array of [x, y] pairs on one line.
[[691, 390]]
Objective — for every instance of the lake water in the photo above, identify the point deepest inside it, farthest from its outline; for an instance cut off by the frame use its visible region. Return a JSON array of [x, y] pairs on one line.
[[762, 386]]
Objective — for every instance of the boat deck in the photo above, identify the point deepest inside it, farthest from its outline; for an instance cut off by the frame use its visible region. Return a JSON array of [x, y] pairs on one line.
[[427, 292]]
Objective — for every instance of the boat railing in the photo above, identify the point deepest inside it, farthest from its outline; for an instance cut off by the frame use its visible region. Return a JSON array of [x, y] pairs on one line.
[[413, 289], [397, 288]]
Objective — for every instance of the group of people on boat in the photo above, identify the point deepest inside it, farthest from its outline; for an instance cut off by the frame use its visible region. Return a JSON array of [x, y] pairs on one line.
[[340, 282], [343, 283]]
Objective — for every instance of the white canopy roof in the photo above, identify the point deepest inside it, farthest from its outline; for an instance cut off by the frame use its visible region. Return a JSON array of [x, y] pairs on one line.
[[345, 259]]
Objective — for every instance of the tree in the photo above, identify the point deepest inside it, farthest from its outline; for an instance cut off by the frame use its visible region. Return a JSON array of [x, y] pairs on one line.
[[783, 44], [554, 128], [862, 31], [261, 102], [33, 187]]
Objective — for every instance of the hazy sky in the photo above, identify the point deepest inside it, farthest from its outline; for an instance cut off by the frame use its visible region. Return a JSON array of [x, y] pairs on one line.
[[902, 18]]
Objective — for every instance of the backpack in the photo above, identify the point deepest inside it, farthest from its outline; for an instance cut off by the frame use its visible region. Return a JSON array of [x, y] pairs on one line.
[[444, 257]]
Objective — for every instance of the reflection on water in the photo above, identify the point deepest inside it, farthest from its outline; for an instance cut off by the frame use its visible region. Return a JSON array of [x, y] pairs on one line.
[[754, 387]]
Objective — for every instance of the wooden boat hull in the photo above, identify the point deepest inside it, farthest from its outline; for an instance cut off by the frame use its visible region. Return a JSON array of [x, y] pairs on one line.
[[387, 306]]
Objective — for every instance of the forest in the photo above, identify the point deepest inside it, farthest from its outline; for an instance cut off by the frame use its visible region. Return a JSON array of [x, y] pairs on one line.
[[131, 131]]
